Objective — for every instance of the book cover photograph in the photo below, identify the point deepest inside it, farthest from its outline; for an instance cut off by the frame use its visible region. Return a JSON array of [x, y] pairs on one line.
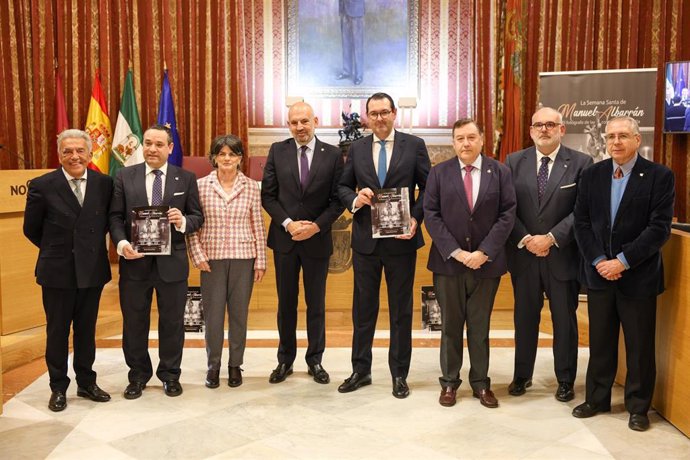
[[431, 310], [151, 230], [390, 212], [194, 310]]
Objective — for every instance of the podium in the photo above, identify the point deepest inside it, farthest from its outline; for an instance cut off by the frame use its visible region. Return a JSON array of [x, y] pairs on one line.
[[21, 307]]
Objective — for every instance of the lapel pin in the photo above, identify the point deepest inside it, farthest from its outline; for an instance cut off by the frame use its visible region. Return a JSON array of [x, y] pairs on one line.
[[641, 174], [177, 178], [488, 171], [565, 166]]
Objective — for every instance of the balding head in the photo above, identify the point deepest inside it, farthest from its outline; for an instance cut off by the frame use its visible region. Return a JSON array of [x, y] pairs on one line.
[[547, 129], [301, 121]]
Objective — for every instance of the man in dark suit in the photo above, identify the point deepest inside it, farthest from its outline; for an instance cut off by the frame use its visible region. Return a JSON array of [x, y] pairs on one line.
[[385, 159], [299, 192], [154, 183], [542, 253], [66, 217], [352, 35], [469, 209], [623, 217]]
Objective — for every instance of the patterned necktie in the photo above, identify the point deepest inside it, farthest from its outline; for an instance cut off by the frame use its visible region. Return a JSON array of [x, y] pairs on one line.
[[304, 167], [77, 190], [382, 162], [157, 190], [468, 185], [618, 173], [543, 176]]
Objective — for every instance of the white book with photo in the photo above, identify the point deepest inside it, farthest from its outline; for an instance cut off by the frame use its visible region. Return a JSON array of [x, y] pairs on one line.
[[151, 230], [390, 212]]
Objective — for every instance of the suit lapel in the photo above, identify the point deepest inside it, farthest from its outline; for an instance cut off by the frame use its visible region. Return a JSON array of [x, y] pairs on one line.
[[605, 185], [171, 180], [64, 189], [292, 158], [456, 179], [560, 166], [637, 176], [485, 181], [368, 160], [527, 173], [139, 184], [396, 156], [316, 161]]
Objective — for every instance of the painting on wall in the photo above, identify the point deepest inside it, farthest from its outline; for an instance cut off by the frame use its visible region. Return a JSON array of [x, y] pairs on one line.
[[352, 48]]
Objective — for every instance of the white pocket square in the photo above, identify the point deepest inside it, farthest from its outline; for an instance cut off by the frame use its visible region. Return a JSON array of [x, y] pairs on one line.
[[569, 185], [182, 193]]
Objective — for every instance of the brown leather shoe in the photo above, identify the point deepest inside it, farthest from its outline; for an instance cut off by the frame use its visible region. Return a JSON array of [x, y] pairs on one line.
[[447, 398], [486, 397]]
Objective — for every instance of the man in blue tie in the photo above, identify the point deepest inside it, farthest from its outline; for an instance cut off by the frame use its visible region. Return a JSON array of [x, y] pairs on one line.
[[385, 159], [623, 217]]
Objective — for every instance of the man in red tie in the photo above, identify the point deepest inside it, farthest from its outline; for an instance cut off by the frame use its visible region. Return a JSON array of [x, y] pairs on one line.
[[469, 210]]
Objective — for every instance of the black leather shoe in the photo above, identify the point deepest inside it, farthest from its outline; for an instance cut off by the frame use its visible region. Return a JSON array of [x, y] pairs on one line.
[[319, 373], [58, 401], [638, 422], [587, 410], [93, 393], [342, 76], [234, 376], [172, 388], [354, 382], [212, 378], [280, 373], [565, 392], [400, 388], [134, 389], [519, 386]]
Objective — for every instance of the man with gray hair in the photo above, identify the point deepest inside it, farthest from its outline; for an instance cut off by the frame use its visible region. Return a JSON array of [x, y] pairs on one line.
[[542, 253], [66, 217], [622, 267]]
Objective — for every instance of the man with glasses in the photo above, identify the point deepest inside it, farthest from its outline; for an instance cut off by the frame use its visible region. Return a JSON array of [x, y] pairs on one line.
[[542, 253], [623, 217], [385, 159], [66, 217]]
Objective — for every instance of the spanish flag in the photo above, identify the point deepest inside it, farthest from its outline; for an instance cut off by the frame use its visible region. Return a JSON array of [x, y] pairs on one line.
[[98, 127]]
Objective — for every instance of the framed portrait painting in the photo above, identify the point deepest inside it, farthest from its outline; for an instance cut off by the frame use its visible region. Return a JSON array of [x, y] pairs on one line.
[[352, 48]]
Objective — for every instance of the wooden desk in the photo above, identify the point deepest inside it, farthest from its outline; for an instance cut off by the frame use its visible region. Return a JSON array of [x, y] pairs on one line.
[[671, 393]]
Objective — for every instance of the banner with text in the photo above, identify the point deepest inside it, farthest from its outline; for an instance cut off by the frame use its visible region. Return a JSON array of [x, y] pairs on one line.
[[588, 99]]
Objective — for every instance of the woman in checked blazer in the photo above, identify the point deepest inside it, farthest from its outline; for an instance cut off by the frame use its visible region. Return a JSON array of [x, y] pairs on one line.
[[230, 251]]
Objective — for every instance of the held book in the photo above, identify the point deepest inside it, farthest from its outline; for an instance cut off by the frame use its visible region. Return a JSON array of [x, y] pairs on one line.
[[151, 230], [390, 212]]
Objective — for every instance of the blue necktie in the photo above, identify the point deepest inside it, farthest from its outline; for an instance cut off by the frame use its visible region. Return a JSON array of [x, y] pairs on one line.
[[382, 162], [157, 190]]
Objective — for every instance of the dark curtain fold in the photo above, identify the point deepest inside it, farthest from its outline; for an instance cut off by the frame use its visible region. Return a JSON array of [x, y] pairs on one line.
[[201, 43]]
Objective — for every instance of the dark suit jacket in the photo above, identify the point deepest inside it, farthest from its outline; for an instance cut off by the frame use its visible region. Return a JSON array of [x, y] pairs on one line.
[[181, 192], [641, 227], [71, 238], [282, 195], [451, 225], [409, 167], [352, 8], [554, 214]]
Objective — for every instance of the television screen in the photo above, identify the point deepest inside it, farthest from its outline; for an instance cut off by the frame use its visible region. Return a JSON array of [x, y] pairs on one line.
[[677, 98]]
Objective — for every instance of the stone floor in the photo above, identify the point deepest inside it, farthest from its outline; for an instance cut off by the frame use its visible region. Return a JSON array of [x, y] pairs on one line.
[[302, 419]]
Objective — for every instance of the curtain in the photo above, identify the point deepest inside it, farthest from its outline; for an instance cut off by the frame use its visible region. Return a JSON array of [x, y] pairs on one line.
[[201, 44], [591, 35]]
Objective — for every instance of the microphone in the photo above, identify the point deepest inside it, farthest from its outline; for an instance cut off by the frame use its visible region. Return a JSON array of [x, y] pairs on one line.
[[15, 155]]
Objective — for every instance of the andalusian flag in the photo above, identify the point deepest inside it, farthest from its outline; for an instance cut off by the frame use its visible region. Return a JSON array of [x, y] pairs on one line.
[[98, 127], [166, 116], [127, 149]]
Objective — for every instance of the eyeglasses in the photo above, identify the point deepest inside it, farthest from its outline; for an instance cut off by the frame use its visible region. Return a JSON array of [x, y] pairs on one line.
[[381, 114], [549, 125], [70, 152], [621, 137]]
